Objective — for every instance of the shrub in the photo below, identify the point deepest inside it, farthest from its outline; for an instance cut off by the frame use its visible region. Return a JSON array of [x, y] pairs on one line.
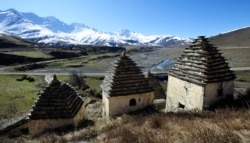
[[77, 80], [91, 93], [26, 77]]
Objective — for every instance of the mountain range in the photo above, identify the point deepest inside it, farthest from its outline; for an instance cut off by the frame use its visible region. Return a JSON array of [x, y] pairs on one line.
[[50, 30]]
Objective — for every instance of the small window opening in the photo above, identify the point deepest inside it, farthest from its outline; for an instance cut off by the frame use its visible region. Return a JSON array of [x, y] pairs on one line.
[[220, 90], [132, 102], [181, 105], [24, 131], [139, 100], [186, 89]]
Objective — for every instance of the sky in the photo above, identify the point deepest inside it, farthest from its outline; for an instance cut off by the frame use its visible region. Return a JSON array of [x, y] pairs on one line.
[[185, 18]]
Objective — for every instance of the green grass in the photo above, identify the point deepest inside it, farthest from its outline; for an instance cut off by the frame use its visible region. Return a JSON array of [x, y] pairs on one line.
[[67, 63], [31, 54], [19, 96], [97, 61], [94, 82], [243, 76]]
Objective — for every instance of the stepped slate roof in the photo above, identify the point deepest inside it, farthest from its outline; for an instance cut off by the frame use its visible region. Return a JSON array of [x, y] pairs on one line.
[[125, 78], [202, 63], [58, 100]]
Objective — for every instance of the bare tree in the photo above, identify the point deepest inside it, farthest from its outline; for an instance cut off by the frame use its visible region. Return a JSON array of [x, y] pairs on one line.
[[77, 80]]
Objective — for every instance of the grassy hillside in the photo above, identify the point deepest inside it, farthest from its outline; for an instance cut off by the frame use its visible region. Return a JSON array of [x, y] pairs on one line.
[[7, 41], [237, 57], [17, 96], [237, 38]]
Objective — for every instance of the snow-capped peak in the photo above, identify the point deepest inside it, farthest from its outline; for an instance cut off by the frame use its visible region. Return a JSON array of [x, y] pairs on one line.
[[12, 10], [123, 32], [51, 30]]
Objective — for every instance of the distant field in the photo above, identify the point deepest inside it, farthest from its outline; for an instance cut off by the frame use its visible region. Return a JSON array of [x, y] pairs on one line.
[[31, 54], [243, 76], [97, 61], [236, 57]]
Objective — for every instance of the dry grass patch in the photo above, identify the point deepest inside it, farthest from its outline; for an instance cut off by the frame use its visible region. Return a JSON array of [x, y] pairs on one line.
[[222, 126]]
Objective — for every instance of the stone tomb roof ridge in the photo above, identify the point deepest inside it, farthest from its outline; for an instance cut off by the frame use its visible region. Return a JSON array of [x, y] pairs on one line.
[[202, 63], [58, 100], [124, 77]]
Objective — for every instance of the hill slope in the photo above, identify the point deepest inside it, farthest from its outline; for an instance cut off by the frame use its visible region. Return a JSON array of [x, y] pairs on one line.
[[236, 38], [7, 41]]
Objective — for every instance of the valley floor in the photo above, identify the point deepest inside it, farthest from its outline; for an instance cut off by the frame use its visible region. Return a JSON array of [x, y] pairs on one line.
[[221, 125]]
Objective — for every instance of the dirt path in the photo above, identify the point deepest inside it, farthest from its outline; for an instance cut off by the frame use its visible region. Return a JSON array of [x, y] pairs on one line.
[[234, 48], [41, 73], [86, 73], [240, 68]]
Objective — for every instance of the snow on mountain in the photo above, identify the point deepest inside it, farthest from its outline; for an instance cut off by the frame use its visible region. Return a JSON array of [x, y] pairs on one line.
[[51, 30]]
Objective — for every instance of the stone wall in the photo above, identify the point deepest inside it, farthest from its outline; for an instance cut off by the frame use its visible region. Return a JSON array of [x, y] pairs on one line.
[[212, 94], [183, 95], [79, 117], [123, 104], [105, 106], [41, 125]]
